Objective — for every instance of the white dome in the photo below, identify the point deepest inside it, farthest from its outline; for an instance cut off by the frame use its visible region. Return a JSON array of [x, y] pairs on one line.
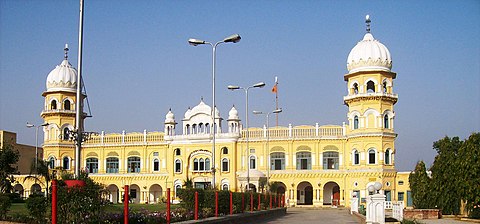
[[233, 114], [201, 108], [170, 117], [369, 55], [188, 113], [62, 78]]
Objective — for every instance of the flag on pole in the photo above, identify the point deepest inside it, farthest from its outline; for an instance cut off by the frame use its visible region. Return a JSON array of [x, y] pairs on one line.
[[275, 88]]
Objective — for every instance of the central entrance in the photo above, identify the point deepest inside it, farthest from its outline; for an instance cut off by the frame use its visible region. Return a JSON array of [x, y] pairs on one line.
[[305, 193]]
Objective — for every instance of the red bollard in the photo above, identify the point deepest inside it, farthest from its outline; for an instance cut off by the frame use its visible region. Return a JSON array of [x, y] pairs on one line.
[[251, 201], [243, 201], [270, 201], [216, 203], [54, 201], [283, 201], [196, 205], [125, 205], [259, 208], [168, 206], [231, 203]]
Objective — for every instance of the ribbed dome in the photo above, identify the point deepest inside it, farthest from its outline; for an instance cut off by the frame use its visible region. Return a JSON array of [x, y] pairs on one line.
[[62, 78], [369, 55], [170, 117], [201, 108], [233, 114]]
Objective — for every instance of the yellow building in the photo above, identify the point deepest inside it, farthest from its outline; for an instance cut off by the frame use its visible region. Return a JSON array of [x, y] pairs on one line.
[[314, 165]]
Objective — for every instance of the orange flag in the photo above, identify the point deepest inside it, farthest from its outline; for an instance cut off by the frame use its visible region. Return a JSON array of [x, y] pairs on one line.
[[275, 88]]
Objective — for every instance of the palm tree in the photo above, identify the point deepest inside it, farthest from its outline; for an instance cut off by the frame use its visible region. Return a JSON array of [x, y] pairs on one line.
[[39, 171], [188, 183]]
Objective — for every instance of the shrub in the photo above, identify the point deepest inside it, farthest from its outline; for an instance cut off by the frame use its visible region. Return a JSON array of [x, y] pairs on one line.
[[5, 204], [37, 207]]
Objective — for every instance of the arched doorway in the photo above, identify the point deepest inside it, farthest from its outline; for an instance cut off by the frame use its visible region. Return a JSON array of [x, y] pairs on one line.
[[113, 189], [252, 187], [331, 194], [155, 194], [18, 189], [36, 189], [135, 193], [304, 193]]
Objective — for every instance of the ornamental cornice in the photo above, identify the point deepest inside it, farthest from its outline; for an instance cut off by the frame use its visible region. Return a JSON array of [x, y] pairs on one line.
[[392, 98], [372, 134]]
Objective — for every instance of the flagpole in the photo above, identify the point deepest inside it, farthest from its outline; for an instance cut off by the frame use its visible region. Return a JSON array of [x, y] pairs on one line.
[[276, 100]]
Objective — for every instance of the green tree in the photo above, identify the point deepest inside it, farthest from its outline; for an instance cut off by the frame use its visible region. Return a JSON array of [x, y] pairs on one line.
[[8, 159], [469, 168], [82, 204], [420, 187], [445, 170]]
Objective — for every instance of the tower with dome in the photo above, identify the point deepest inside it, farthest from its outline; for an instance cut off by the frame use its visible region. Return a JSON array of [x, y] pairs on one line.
[[313, 165]]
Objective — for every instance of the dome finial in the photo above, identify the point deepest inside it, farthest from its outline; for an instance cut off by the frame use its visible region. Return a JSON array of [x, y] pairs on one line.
[[66, 51], [368, 21]]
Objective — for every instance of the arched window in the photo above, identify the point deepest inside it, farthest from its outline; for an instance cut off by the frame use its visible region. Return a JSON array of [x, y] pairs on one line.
[[387, 157], [53, 105], [355, 88], [156, 165], [66, 105], [66, 134], [225, 150], [112, 165], [330, 160], [253, 162], [194, 129], [133, 164], [51, 163], [195, 165], [187, 129], [207, 164], [224, 165], [178, 166], [304, 161], [355, 122], [178, 152], [277, 161], [370, 87], [384, 85], [200, 128], [225, 187], [202, 164], [92, 165], [371, 156], [356, 158], [385, 121], [66, 163]]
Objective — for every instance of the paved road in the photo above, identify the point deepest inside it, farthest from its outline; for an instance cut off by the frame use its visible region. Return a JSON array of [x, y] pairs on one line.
[[310, 215]]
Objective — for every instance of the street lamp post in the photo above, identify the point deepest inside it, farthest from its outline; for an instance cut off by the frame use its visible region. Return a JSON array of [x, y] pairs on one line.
[[231, 87], [235, 38], [268, 138], [36, 141]]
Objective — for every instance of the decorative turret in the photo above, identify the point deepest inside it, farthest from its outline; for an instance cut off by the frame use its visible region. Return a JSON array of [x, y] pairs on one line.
[[233, 121], [170, 123], [370, 86]]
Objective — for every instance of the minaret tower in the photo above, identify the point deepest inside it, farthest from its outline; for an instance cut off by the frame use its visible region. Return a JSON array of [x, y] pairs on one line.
[[370, 98], [59, 113]]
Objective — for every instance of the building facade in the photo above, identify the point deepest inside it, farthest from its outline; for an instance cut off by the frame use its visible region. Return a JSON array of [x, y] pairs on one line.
[[313, 165]]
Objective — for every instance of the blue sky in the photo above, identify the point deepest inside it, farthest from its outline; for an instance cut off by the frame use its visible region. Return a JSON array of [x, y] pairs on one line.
[[137, 63]]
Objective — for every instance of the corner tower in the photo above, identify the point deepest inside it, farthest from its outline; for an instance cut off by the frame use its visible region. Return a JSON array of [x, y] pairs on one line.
[[59, 113], [370, 101]]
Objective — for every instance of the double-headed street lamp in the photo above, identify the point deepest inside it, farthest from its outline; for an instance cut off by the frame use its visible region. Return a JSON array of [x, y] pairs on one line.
[[231, 87], [268, 138], [235, 38], [36, 141]]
